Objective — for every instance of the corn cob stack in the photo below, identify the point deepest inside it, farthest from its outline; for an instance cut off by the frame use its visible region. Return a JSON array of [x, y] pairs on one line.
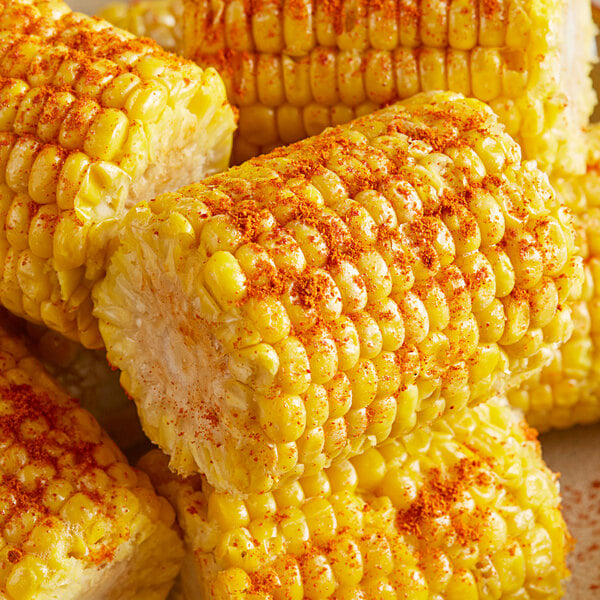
[[77, 522], [295, 67], [310, 303], [567, 391], [91, 121], [464, 510], [160, 20]]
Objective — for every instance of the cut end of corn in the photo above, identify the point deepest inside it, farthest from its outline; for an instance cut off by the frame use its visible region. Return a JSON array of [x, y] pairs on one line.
[[92, 120], [311, 303], [464, 510], [75, 519], [567, 391]]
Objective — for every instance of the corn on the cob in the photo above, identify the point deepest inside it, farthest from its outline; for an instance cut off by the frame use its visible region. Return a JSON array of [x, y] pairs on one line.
[[296, 66], [567, 391], [160, 20], [315, 301], [76, 521], [92, 120], [466, 510]]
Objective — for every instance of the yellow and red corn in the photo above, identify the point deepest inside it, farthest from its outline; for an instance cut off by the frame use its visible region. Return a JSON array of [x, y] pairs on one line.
[[92, 120], [294, 67], [567, 391], [76, 521], [464, 510], [309, 304]]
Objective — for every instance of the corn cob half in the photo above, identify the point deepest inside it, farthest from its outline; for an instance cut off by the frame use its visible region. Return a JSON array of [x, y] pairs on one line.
[[92, 120], [76, 521], [161, 20], [313, 302], [464, 510], [294, 67], [567, 391]]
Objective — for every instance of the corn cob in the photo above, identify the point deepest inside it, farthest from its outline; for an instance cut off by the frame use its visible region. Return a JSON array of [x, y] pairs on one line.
[[160, 20], [77, 522], [86, 376], [294, 67], [310, 303], [91, 121], [567, 391], [464, 510]]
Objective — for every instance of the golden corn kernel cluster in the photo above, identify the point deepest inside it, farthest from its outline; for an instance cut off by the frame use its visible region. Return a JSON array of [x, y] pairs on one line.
[[342, 291], [567, 391], [160, 20], [296, 67], [70, 506], [462, 511], [86, 112]]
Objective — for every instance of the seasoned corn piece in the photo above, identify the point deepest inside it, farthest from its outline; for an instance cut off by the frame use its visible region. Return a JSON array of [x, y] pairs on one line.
[[463, 510], [567, 391], [245, 376], [92, 120], [160, 20], [331, 62], [77, 520]]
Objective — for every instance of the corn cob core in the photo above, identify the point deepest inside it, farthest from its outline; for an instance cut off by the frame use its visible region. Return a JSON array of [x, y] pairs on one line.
[[567, 391], [311, 303], [294, 67], [160, 20], [464, 510], [92, 120], [76, 521]]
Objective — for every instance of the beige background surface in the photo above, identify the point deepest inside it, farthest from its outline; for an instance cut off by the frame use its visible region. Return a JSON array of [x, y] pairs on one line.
[[574, 453]]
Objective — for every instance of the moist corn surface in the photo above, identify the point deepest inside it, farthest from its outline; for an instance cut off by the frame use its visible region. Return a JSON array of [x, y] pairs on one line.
[[161, 20], [319, 300], [76, 521], [92, 120], [465, 510], [567, 391], [295, 67]]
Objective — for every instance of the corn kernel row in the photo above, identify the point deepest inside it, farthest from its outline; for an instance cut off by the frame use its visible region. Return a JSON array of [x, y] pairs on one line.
[[156, 19], [567, 391], [86, 376], [316, 301], [298, 66], [73, 513], [81, 140], [465, 510]]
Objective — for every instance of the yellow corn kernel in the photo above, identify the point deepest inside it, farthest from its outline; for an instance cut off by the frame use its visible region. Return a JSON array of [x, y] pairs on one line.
[[12, 94], [283, 418]]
